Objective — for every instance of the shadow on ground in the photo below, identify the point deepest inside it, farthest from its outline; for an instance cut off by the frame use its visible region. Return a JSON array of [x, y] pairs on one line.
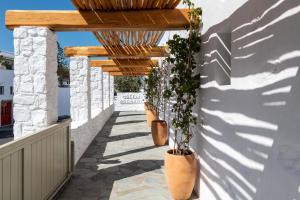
[[118, 153]]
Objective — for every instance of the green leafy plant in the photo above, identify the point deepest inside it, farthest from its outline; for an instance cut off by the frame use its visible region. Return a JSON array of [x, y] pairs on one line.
[[158, 79], [8, 64], [127, 84], [63, 71], [164, 73], [184, 82], [151, 86]]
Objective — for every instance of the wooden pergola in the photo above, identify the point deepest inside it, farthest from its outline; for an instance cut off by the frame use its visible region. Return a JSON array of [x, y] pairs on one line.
[[129, 30]]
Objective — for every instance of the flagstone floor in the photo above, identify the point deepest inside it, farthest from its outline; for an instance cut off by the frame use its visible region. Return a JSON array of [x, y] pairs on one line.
[[121, 164]]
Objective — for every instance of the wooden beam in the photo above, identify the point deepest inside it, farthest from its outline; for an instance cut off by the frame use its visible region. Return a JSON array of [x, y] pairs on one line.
[[159, 19], [99, 63], [85, 51], [125, 69], [127, 74], [124, 62], [99, 51], [126, 66]]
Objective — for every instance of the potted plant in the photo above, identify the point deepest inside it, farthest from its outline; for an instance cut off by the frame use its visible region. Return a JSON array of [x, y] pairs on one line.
[[151, 84], [159, 128], [146, 106], [180, 162]]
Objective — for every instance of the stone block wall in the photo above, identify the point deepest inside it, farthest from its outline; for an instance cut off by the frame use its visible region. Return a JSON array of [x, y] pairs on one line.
[[79, 90], [89, 91], [36, 89], [96, 91], [111, 90], [106, 89], [35, 82]]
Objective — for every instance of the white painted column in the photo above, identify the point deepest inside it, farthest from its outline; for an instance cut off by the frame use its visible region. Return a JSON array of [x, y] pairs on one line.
[[96, 91], [106, 83], [79, 90], [35, 81], [111, 91]]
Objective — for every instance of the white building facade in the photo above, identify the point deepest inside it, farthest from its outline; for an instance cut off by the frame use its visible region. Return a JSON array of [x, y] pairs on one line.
[[6, 84]]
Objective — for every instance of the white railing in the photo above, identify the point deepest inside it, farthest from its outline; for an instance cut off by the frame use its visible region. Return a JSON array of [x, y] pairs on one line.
[[36, 166]]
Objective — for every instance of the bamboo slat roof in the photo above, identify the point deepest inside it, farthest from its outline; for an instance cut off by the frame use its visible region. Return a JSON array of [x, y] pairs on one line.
[[116, 5], [127, 29], [124, 42]]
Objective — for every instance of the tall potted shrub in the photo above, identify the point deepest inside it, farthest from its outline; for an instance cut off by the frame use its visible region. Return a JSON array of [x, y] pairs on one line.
[[150, 90], [180, 162], [159, 127]]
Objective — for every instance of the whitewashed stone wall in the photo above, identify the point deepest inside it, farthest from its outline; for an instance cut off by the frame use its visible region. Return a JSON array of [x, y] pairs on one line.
[[86, 99], [96, 91], [106, 89], [35, 82], [111, 90], [79, 90]]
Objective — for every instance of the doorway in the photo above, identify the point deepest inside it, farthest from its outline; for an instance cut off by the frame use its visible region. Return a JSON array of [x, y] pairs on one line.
[[6, 113]]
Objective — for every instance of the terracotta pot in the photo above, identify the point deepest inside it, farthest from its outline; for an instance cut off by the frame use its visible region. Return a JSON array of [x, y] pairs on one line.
[[180, 174], [150, 116], [146, 105], [159, 132]]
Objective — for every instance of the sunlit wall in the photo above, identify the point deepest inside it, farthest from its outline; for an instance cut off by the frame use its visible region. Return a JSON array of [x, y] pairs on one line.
[[249, 145]]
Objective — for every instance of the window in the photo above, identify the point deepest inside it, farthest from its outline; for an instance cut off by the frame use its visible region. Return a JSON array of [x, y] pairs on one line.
[[11, 90], [1, 90]]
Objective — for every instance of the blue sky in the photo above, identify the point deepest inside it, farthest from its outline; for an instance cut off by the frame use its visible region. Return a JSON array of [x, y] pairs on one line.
[[64, 38]]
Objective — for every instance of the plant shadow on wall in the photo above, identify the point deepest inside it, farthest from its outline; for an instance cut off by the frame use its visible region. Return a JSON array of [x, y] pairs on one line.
[[249, 144]]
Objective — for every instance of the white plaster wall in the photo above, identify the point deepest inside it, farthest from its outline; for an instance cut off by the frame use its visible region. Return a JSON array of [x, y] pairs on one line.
[[63, 101], [35, 81], [84, 134], [249, 146]]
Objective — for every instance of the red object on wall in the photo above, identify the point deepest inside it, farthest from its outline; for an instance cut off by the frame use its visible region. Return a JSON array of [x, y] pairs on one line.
[[6, 113]]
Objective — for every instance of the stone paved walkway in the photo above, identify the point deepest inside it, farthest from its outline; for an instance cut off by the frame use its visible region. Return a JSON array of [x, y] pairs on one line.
[[121, 164]]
